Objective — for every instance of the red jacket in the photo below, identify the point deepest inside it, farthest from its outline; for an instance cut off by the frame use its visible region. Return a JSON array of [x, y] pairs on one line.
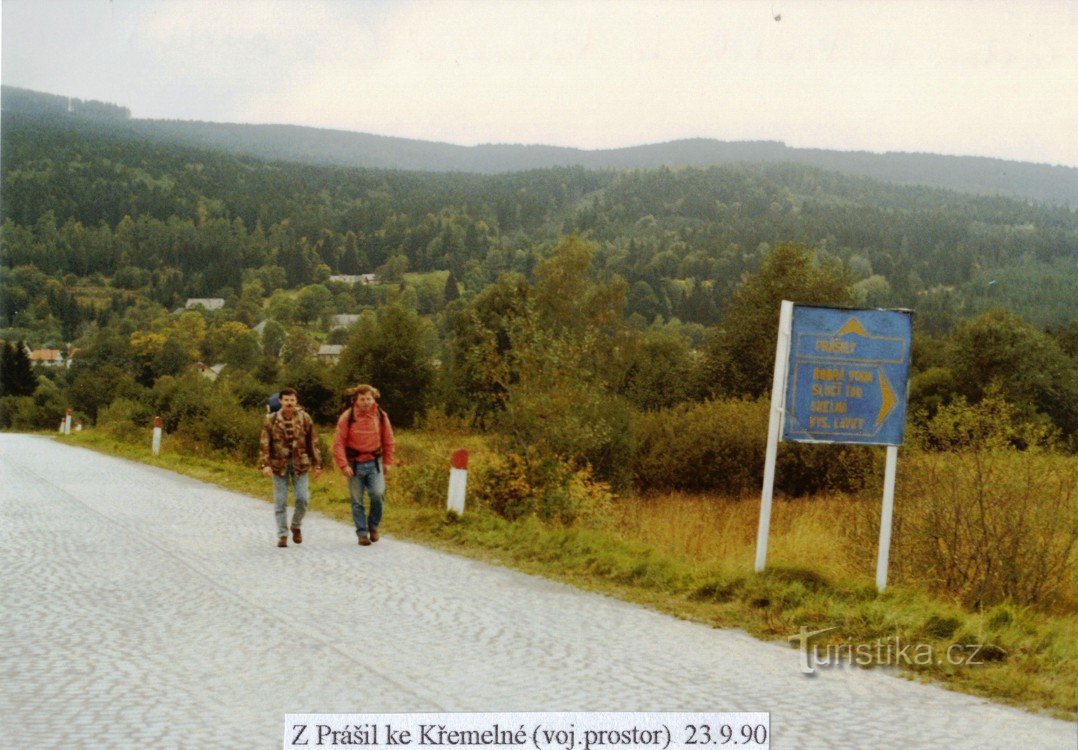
[[364, 435]]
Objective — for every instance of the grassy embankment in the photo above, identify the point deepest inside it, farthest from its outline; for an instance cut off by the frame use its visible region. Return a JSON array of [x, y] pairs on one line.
[[692, 557]]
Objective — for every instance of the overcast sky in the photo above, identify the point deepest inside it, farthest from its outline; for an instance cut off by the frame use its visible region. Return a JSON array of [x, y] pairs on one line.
[[977, 78]]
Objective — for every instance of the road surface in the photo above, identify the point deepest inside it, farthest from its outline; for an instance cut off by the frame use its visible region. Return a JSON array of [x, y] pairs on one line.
[[146, 609]]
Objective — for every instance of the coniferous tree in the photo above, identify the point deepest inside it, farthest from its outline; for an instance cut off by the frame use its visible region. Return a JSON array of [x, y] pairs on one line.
[[16, 374], [451, 290]]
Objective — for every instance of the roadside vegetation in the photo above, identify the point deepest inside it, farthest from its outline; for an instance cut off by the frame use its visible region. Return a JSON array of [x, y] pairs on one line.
[[1014, 612]]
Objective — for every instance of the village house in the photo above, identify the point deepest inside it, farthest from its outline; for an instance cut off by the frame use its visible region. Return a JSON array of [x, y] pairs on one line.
[[46, 357], [330, 353], [342, 321], [363, 278], [207, 303], [210, 372]]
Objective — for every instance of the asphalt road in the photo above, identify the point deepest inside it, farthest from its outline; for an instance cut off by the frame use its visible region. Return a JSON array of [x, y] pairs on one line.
[[141, 608]]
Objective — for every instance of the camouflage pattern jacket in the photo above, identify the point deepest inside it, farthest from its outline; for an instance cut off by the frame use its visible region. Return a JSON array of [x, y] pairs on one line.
[[275, 449]]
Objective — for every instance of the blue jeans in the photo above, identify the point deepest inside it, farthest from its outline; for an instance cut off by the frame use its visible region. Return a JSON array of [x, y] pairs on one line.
[[367, 476], [280, 499]]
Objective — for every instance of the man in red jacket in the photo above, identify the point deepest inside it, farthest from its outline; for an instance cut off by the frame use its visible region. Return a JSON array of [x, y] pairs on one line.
[[363, 450]]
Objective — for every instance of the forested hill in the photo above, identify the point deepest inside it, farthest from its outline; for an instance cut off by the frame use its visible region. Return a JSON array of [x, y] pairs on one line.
[[89, 197], [32, 102], [1040, 182]]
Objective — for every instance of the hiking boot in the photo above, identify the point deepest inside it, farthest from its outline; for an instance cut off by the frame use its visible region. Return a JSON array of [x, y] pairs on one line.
[[364, 541], [374, 535], [282, 541], [297, 536]]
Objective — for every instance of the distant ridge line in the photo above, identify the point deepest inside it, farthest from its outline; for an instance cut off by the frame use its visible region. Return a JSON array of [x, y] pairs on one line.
[[323, 146]]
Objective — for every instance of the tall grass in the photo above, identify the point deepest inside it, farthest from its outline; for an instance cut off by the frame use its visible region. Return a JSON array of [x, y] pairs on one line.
[[710, 530]]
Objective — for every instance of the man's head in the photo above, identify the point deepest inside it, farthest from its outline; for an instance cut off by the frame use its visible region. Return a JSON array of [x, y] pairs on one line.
[[289, 399], [364, 396]]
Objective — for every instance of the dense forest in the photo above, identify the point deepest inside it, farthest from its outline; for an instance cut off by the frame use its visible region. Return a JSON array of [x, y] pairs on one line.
[[1040, 182], [628, 292]]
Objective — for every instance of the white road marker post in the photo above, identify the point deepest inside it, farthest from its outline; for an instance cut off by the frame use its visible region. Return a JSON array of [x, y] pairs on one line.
[[885, 517], [156, 435], [774, 429], [458, 481], [67, 423]]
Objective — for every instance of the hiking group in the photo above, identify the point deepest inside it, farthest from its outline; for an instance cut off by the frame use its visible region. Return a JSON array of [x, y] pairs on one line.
[[362, 449]]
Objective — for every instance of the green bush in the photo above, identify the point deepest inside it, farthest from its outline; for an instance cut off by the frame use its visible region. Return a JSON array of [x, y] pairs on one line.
[[126, 420], [719, 445], [183, 399], [576, 422], [806, 469], [205, 417], [233, 430], [10, 406], [251, 393], [519, 485], [425, 483], [992, 423], [715, 446], [41, 411]]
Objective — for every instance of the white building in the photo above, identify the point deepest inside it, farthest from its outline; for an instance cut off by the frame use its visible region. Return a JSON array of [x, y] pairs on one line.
[[364, 278], [208, 303], [330, 353], [342, 321], [210, 372]]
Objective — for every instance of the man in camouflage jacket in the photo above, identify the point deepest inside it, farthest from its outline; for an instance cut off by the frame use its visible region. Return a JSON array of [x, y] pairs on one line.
[[287, 451]]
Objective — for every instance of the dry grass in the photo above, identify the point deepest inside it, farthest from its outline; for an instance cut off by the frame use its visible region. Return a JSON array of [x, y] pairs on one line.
[[713, 531]]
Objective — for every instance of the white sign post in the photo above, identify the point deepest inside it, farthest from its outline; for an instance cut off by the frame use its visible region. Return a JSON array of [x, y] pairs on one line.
[[156, 435], [67, 423], [774, 429], [885, 516]]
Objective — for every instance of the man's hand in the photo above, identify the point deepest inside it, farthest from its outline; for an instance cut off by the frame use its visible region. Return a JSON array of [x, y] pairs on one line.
[[348, 472], [385, 470], [267, 471]]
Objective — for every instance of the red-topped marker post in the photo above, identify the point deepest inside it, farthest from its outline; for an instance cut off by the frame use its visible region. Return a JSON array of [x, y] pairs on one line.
[[458, 480], [157, 435]]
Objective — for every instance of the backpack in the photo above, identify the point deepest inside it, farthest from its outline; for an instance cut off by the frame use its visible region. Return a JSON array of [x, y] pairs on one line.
[[273, 403], [351, 453]]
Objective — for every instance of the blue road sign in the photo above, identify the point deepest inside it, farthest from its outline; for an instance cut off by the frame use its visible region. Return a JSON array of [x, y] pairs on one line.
[[846, 381]]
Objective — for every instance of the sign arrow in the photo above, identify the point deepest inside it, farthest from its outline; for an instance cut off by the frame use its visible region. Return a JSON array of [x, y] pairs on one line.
[[852, 326], [888, 399]]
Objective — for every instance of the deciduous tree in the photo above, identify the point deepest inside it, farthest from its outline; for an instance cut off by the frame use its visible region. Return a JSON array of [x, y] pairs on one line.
[[741, 350]]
